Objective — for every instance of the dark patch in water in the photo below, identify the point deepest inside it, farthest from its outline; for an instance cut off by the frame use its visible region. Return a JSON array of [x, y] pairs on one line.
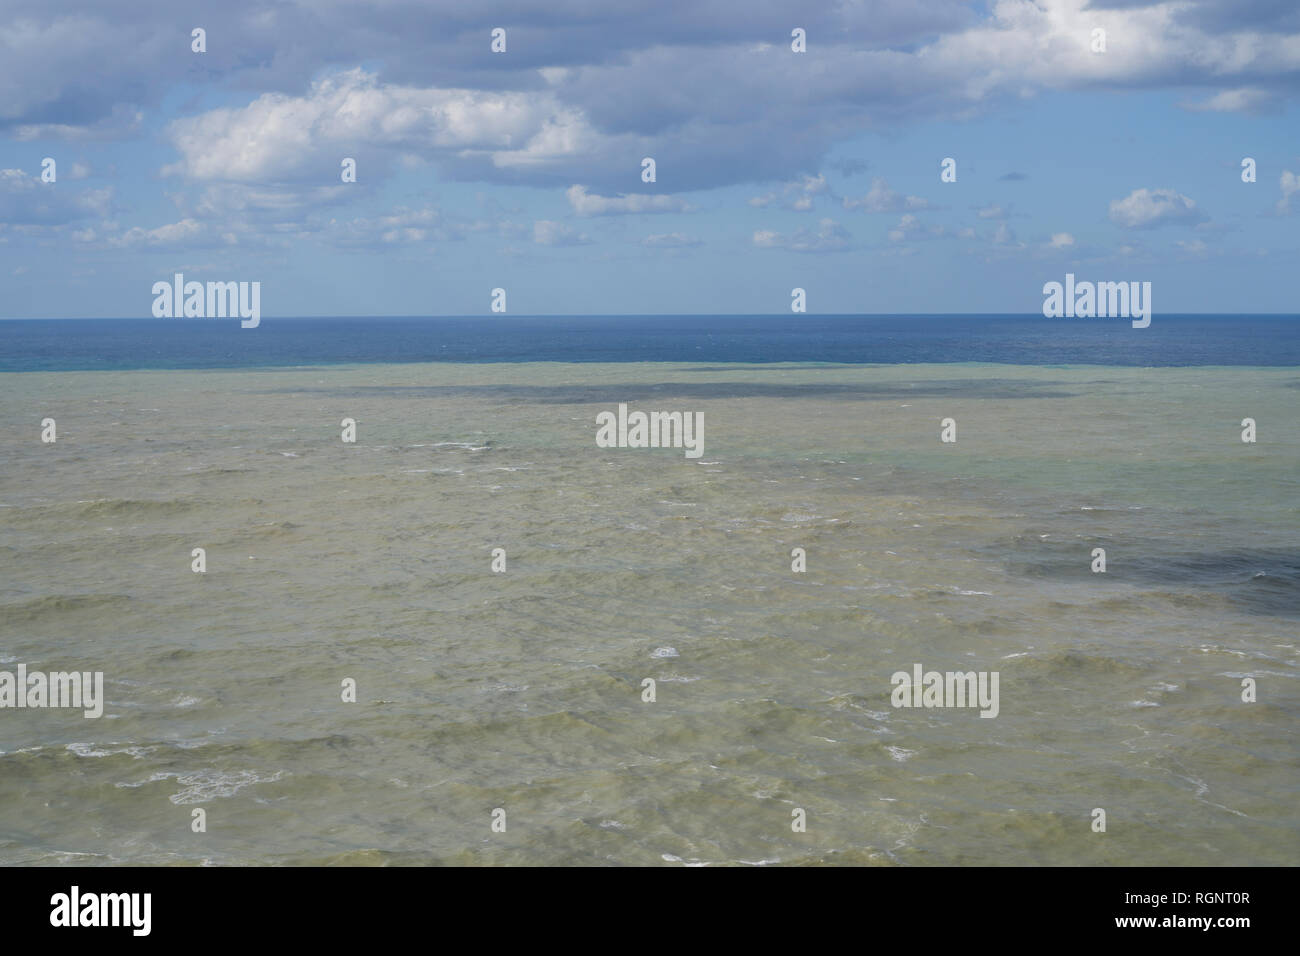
[[750, 366], [641, 392], [1258, 580]]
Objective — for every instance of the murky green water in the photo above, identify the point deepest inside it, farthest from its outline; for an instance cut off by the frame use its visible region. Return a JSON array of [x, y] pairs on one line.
[[522, 690]]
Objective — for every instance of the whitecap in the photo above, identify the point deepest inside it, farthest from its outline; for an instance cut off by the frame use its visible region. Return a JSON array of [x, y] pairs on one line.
[[201, 785], [89, 750]]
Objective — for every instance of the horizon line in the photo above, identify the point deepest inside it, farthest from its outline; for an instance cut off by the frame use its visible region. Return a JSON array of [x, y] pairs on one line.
[[628, 315]]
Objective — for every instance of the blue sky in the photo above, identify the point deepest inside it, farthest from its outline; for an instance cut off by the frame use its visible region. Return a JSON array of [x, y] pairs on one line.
[[522, 169]]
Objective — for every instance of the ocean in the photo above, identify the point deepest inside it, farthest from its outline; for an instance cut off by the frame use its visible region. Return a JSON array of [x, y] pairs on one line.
[[1171, 340], [523, 690]]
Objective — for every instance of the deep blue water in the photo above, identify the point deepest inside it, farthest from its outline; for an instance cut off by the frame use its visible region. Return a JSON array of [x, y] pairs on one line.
[[78, 344]]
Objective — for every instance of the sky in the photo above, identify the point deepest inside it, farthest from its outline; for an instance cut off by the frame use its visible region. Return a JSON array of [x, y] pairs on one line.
[[523, 169]]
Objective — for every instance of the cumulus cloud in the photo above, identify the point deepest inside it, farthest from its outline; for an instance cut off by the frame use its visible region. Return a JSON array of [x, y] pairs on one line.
[[883, 199], [1148, 208], [186, 233], [1245, 99], [909, 228], [649, 77], [797, 195], [400, 226], [1061, 240], [1047, 45], [121, 122], [1004, 235], [282, 138], [671, 240], [707, 87], [262, 204], [549, 233], [27, 201], [589, 204], [829, 236], [1290, 186]]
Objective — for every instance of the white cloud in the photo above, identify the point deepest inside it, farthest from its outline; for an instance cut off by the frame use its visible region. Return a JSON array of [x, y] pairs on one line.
[[909, 228], [184, 233], [401, 226], [829, 236], [1290, 186], [261, 202], [547, 232], [1061, 240], [883, 199], [26, 200], [797, 195], [1147, 208], [718, 104], [1047, 45], [1245, 99], [589, 204], [121, 123], [671, 240], [278, 137]]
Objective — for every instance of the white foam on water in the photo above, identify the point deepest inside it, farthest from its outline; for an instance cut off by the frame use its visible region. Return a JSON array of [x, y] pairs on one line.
[[90, 750], [201, 785]]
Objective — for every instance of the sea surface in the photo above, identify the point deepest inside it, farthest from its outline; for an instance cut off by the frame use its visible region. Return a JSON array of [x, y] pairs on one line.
[[1171, 340], [522, 690]]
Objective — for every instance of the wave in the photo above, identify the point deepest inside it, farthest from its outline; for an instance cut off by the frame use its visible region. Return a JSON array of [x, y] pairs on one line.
[[34, 609]]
